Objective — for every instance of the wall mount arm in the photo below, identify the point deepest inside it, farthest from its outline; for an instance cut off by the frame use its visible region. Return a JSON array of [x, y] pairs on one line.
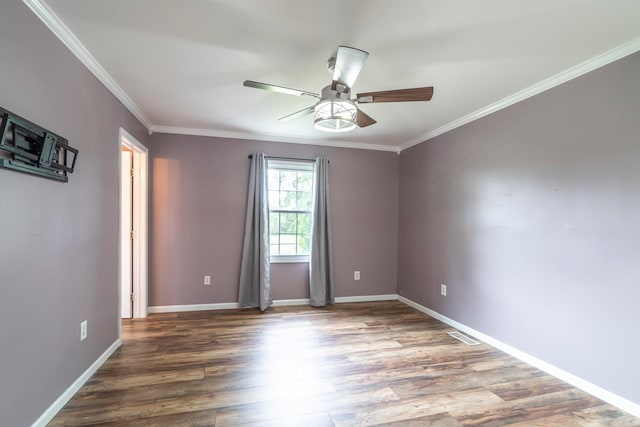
[[33, 149]]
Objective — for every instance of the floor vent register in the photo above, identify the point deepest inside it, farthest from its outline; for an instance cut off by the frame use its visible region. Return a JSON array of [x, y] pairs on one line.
[[462, 337]]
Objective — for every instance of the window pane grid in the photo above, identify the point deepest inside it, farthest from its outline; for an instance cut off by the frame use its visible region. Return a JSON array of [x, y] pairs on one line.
[[290, 211], [290, 232]]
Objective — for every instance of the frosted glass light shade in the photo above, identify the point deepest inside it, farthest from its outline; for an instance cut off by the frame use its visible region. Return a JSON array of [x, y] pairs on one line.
[[335, 115]]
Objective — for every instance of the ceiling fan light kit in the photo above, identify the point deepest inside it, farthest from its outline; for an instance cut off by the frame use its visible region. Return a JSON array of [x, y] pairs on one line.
[[335, 111], [335, 115]]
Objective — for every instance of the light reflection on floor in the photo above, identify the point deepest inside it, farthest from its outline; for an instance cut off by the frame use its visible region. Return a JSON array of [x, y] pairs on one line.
[[289, 367]]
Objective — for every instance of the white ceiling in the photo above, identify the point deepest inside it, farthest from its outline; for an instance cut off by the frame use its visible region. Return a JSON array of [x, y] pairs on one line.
[[179, 64]]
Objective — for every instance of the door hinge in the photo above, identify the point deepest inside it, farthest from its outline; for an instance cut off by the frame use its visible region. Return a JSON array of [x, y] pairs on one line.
[[133, 172], [132, 234], [131, 296]]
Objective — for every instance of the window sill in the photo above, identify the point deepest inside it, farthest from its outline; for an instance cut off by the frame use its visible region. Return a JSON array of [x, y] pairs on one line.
[[289, 259]]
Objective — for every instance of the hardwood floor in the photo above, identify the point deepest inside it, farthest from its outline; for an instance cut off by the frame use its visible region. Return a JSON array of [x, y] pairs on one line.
[[359, 364]]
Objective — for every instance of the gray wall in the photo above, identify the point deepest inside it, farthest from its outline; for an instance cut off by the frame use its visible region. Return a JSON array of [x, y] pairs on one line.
[[531, 216], [199, 190], [58, 246]]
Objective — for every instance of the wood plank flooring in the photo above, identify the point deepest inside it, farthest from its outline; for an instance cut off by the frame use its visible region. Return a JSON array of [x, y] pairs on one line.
[[360, 364]]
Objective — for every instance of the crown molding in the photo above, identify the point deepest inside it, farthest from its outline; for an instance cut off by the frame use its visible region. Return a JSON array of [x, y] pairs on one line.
[[57, 27], [60, 30], [587, 66], [271, 138]]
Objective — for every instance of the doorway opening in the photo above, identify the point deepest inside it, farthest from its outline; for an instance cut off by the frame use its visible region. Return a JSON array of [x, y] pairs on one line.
[[133, 227]]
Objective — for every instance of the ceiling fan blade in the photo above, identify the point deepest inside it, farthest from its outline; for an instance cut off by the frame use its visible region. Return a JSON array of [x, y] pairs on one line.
[[349, 63], [399, 95], [300, 113], [364, 120], [280, 89]]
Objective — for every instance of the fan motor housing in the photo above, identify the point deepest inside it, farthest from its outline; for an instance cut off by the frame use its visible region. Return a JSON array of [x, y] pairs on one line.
[[329, 93]]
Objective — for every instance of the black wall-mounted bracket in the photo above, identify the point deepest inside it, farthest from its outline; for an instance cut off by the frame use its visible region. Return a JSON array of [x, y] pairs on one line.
[[33, 149]]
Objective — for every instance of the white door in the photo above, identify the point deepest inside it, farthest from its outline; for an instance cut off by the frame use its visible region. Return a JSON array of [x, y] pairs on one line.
[[126, 224], [134, 210]]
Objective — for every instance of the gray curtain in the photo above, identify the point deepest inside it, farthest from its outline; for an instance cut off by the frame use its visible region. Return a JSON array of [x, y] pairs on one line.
[[320, 266], [255, 286]]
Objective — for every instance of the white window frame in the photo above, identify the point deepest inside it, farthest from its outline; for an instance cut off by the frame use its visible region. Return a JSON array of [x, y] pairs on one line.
[[303, 165]]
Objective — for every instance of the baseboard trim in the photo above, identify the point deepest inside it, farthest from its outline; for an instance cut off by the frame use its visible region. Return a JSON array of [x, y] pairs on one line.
[[367, 298], [276, 303], [53, 410], [584, 385], [193, 307], [599, 392], [289, 302]]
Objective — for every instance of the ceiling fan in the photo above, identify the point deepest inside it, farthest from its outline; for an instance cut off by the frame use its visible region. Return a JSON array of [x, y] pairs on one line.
[[335, 110]]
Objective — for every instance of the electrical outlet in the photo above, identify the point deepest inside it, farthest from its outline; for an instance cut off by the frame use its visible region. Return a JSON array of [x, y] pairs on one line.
[[443, 290], [356, 275], [207, 280], [83, 330]]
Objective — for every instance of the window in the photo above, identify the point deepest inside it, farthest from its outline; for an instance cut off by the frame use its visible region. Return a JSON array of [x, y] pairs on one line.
[[290, 186]]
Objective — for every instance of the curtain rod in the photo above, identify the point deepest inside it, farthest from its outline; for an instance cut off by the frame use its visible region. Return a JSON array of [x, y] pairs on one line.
[[286, 158]]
